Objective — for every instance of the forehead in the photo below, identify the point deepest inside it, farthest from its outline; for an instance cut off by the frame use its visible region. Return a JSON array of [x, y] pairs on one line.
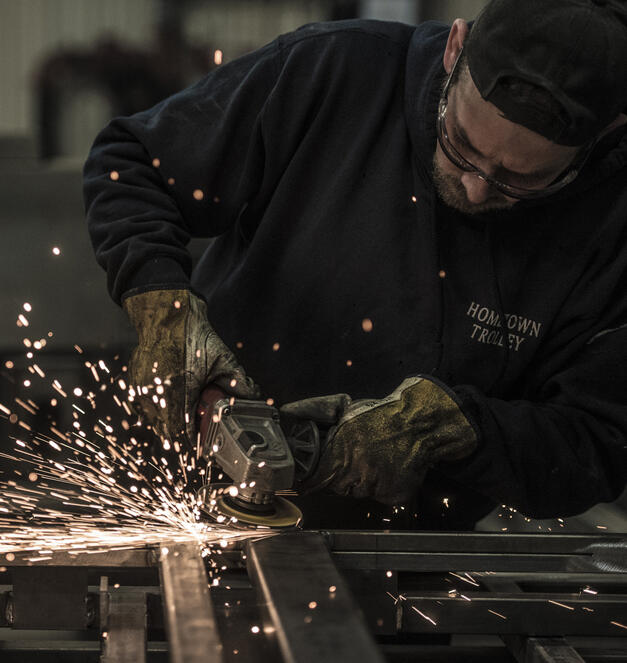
[[509, 145]]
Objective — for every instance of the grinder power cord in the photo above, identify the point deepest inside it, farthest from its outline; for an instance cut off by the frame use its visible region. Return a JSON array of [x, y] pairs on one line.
[[179, 348]]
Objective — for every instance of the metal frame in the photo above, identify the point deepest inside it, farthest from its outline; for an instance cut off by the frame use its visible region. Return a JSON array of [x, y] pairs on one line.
[[124, 640], [333, 596], [191, 622], [308, 602]]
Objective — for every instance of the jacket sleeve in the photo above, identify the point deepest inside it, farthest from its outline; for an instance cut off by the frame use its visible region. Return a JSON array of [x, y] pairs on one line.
[[182, 169], [566, 450]]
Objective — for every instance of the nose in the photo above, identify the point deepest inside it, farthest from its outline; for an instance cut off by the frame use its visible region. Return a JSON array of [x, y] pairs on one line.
[[477, 189]]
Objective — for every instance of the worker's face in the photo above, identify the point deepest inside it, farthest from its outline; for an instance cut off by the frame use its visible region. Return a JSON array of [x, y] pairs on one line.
[[503, 150]]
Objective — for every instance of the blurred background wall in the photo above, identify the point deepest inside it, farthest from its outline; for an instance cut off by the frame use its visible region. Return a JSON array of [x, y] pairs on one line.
[[67, 67], [68, 53]]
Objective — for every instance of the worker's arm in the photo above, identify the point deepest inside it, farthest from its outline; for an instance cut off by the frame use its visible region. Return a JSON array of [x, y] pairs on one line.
[[562, 452], [557, 455], [183, 169], [210, 159], [554, 441], [204, 162]]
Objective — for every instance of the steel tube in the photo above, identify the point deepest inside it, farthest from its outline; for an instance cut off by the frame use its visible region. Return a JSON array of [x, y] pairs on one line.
[[125, 639], [310, 606], [190, 620]]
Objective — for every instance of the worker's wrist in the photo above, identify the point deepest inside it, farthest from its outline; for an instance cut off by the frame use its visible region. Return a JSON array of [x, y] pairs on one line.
[[159, 273]]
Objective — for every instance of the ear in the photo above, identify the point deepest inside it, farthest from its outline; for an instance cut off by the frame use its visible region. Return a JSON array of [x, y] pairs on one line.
[[456, 38]]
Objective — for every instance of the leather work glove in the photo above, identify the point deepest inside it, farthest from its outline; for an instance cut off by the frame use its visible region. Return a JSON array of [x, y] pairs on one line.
[[383, 448], [178, 354]]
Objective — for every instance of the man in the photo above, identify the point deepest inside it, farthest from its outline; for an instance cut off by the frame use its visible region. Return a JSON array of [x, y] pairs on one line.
[[433, 219]]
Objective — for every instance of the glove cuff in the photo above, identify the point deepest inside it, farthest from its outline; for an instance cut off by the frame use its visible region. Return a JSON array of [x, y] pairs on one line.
[[163, 311], [462, 403]]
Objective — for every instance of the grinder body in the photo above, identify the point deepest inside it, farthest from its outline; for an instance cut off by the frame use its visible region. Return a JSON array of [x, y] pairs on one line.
[[261, 455]]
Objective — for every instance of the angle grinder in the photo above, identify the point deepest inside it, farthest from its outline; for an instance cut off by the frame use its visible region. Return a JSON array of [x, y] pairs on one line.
[[261, 453]]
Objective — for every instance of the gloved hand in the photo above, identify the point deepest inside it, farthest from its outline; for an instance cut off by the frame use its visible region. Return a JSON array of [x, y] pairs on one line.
[[178, 354], [383, 448]]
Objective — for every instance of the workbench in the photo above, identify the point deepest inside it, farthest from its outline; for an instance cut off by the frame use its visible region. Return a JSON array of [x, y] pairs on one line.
[[338, 596]]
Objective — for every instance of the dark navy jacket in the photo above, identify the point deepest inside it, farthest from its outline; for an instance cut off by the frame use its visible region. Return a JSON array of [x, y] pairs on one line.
[[309, 162]]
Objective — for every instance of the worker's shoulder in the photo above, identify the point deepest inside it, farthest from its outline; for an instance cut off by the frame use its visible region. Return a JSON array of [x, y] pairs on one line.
[[349, 33]]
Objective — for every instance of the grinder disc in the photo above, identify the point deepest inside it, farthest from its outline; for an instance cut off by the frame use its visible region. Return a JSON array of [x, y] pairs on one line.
[[281, 513], [284, 513]]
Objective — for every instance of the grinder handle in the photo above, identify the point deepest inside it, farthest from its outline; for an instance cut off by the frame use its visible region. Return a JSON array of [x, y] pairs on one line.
[[210, 395]]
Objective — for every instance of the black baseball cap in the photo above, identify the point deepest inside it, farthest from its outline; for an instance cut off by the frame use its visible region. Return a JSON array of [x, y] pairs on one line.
[[574, 49]]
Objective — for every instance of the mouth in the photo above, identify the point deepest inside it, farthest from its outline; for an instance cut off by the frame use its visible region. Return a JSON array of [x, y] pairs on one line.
[[452, 193]]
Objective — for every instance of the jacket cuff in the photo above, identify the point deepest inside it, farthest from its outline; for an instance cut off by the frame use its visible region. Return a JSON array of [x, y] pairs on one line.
[[477, 464], [158, 273]]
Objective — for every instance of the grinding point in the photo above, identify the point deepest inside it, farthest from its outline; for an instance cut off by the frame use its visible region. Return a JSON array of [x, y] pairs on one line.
[[283, 514], [280, 514]]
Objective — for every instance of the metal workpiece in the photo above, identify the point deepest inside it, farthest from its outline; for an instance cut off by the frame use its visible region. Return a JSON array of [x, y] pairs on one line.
[[373, 590], [533, 649], [309, 605], [124, 640], [534, 590], [542, 650], [323, 596], [497, 584], [470, 551], [444, 561], [471, 542], [190, 620], [548, 650], [131, 558], [543, 614], [511, 581]]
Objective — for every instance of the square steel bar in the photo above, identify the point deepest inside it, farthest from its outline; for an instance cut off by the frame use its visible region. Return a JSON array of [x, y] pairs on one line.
[[125, 640], [472, 561], [526, 649], [474, 542], [189, 615], [498, 582], [132, 558], [315, 616], [526, 613], [472, 551], [542, 650]]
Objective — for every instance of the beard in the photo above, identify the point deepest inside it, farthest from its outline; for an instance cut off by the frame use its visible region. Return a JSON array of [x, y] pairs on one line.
[[452, 193]]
